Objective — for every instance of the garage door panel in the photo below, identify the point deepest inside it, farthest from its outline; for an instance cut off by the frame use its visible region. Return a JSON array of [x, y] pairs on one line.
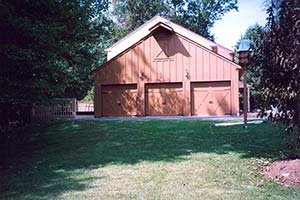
[[164, 99], [211, 98], [222, 102], [199, 100], [119, 100]]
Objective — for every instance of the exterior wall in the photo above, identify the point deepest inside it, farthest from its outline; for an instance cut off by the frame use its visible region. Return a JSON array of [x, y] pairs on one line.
[[165, 57]]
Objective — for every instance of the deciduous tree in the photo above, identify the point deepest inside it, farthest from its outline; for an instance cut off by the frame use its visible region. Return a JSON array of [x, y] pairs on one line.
[[48, 48], [196, 15], [200, 15]]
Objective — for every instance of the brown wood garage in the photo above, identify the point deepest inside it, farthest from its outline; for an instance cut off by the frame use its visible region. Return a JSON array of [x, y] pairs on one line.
[[165, 69]]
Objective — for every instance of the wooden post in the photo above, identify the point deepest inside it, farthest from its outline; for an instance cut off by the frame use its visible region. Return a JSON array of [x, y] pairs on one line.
[[187, 94], [245, 98], [243, 60], [248, 93], [243, 51], [141, 98], [97, 100]]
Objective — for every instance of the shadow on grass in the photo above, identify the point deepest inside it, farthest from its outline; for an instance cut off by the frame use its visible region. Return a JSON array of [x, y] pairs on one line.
[[43, 166]]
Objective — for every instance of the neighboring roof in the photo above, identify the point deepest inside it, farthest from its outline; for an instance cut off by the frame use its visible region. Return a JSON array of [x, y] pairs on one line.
[[150, 25]]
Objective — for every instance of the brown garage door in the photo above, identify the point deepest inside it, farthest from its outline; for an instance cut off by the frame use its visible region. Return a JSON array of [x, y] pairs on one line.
[[164, 99], [119, 100], [211, 98]]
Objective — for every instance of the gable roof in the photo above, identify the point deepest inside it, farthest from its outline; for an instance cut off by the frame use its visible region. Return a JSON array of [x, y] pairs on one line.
[[151, 25]]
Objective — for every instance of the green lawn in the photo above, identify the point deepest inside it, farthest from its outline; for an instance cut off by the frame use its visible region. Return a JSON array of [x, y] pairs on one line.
[[143, 160]]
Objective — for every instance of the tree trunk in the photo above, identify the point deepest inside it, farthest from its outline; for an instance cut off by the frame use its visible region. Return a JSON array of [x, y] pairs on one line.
[[297, 113], [296, 121]]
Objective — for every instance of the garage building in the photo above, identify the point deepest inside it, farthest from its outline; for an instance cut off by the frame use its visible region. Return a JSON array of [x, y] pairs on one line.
[[164, 69]]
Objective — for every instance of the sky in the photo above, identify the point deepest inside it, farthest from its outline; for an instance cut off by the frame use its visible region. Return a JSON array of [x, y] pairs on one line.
[[233, 24]]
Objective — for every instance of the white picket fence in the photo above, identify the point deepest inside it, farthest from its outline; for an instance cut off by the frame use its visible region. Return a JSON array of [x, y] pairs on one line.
[[59, 109]]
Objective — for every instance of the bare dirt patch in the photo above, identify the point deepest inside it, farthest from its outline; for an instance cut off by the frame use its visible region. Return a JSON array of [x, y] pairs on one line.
[[286, 172]]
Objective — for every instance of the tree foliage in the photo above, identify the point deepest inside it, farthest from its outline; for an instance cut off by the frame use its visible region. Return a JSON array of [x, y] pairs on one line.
[[48, 49], [196, 15], [281, 72], [200, 15], [130, 14]]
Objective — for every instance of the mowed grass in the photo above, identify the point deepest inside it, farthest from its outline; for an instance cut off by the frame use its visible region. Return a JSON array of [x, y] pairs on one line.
[[153, 159]]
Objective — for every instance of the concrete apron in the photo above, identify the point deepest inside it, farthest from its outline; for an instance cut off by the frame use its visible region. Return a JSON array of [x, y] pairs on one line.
[[216, 118]]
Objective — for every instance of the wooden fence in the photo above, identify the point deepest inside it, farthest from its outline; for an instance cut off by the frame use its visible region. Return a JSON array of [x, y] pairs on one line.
[[59, 109]]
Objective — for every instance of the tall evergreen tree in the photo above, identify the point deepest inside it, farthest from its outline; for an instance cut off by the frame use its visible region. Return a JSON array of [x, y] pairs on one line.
[[281, 72]]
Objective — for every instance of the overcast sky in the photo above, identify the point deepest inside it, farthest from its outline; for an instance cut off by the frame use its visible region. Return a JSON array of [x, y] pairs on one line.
[[229, 29]]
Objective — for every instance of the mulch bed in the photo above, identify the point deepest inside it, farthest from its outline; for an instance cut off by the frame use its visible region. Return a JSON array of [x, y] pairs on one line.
[[287, 172]]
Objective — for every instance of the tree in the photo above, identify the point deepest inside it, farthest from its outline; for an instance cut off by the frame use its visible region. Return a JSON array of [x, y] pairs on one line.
[[281, 72], [197, 15], [48, 49], [130, 14], [200, 15]]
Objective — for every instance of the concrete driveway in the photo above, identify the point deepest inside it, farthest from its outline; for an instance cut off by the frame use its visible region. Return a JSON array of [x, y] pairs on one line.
[[217, 118]]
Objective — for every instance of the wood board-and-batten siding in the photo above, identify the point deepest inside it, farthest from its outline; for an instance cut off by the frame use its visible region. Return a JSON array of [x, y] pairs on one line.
[[173, 63]]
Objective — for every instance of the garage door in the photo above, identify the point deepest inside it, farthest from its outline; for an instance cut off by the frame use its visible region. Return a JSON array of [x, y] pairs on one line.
[[164, 99], [119, 100], [211, 98]]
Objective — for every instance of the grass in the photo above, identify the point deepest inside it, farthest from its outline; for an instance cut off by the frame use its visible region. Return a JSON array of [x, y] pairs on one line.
[[143, 160]]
